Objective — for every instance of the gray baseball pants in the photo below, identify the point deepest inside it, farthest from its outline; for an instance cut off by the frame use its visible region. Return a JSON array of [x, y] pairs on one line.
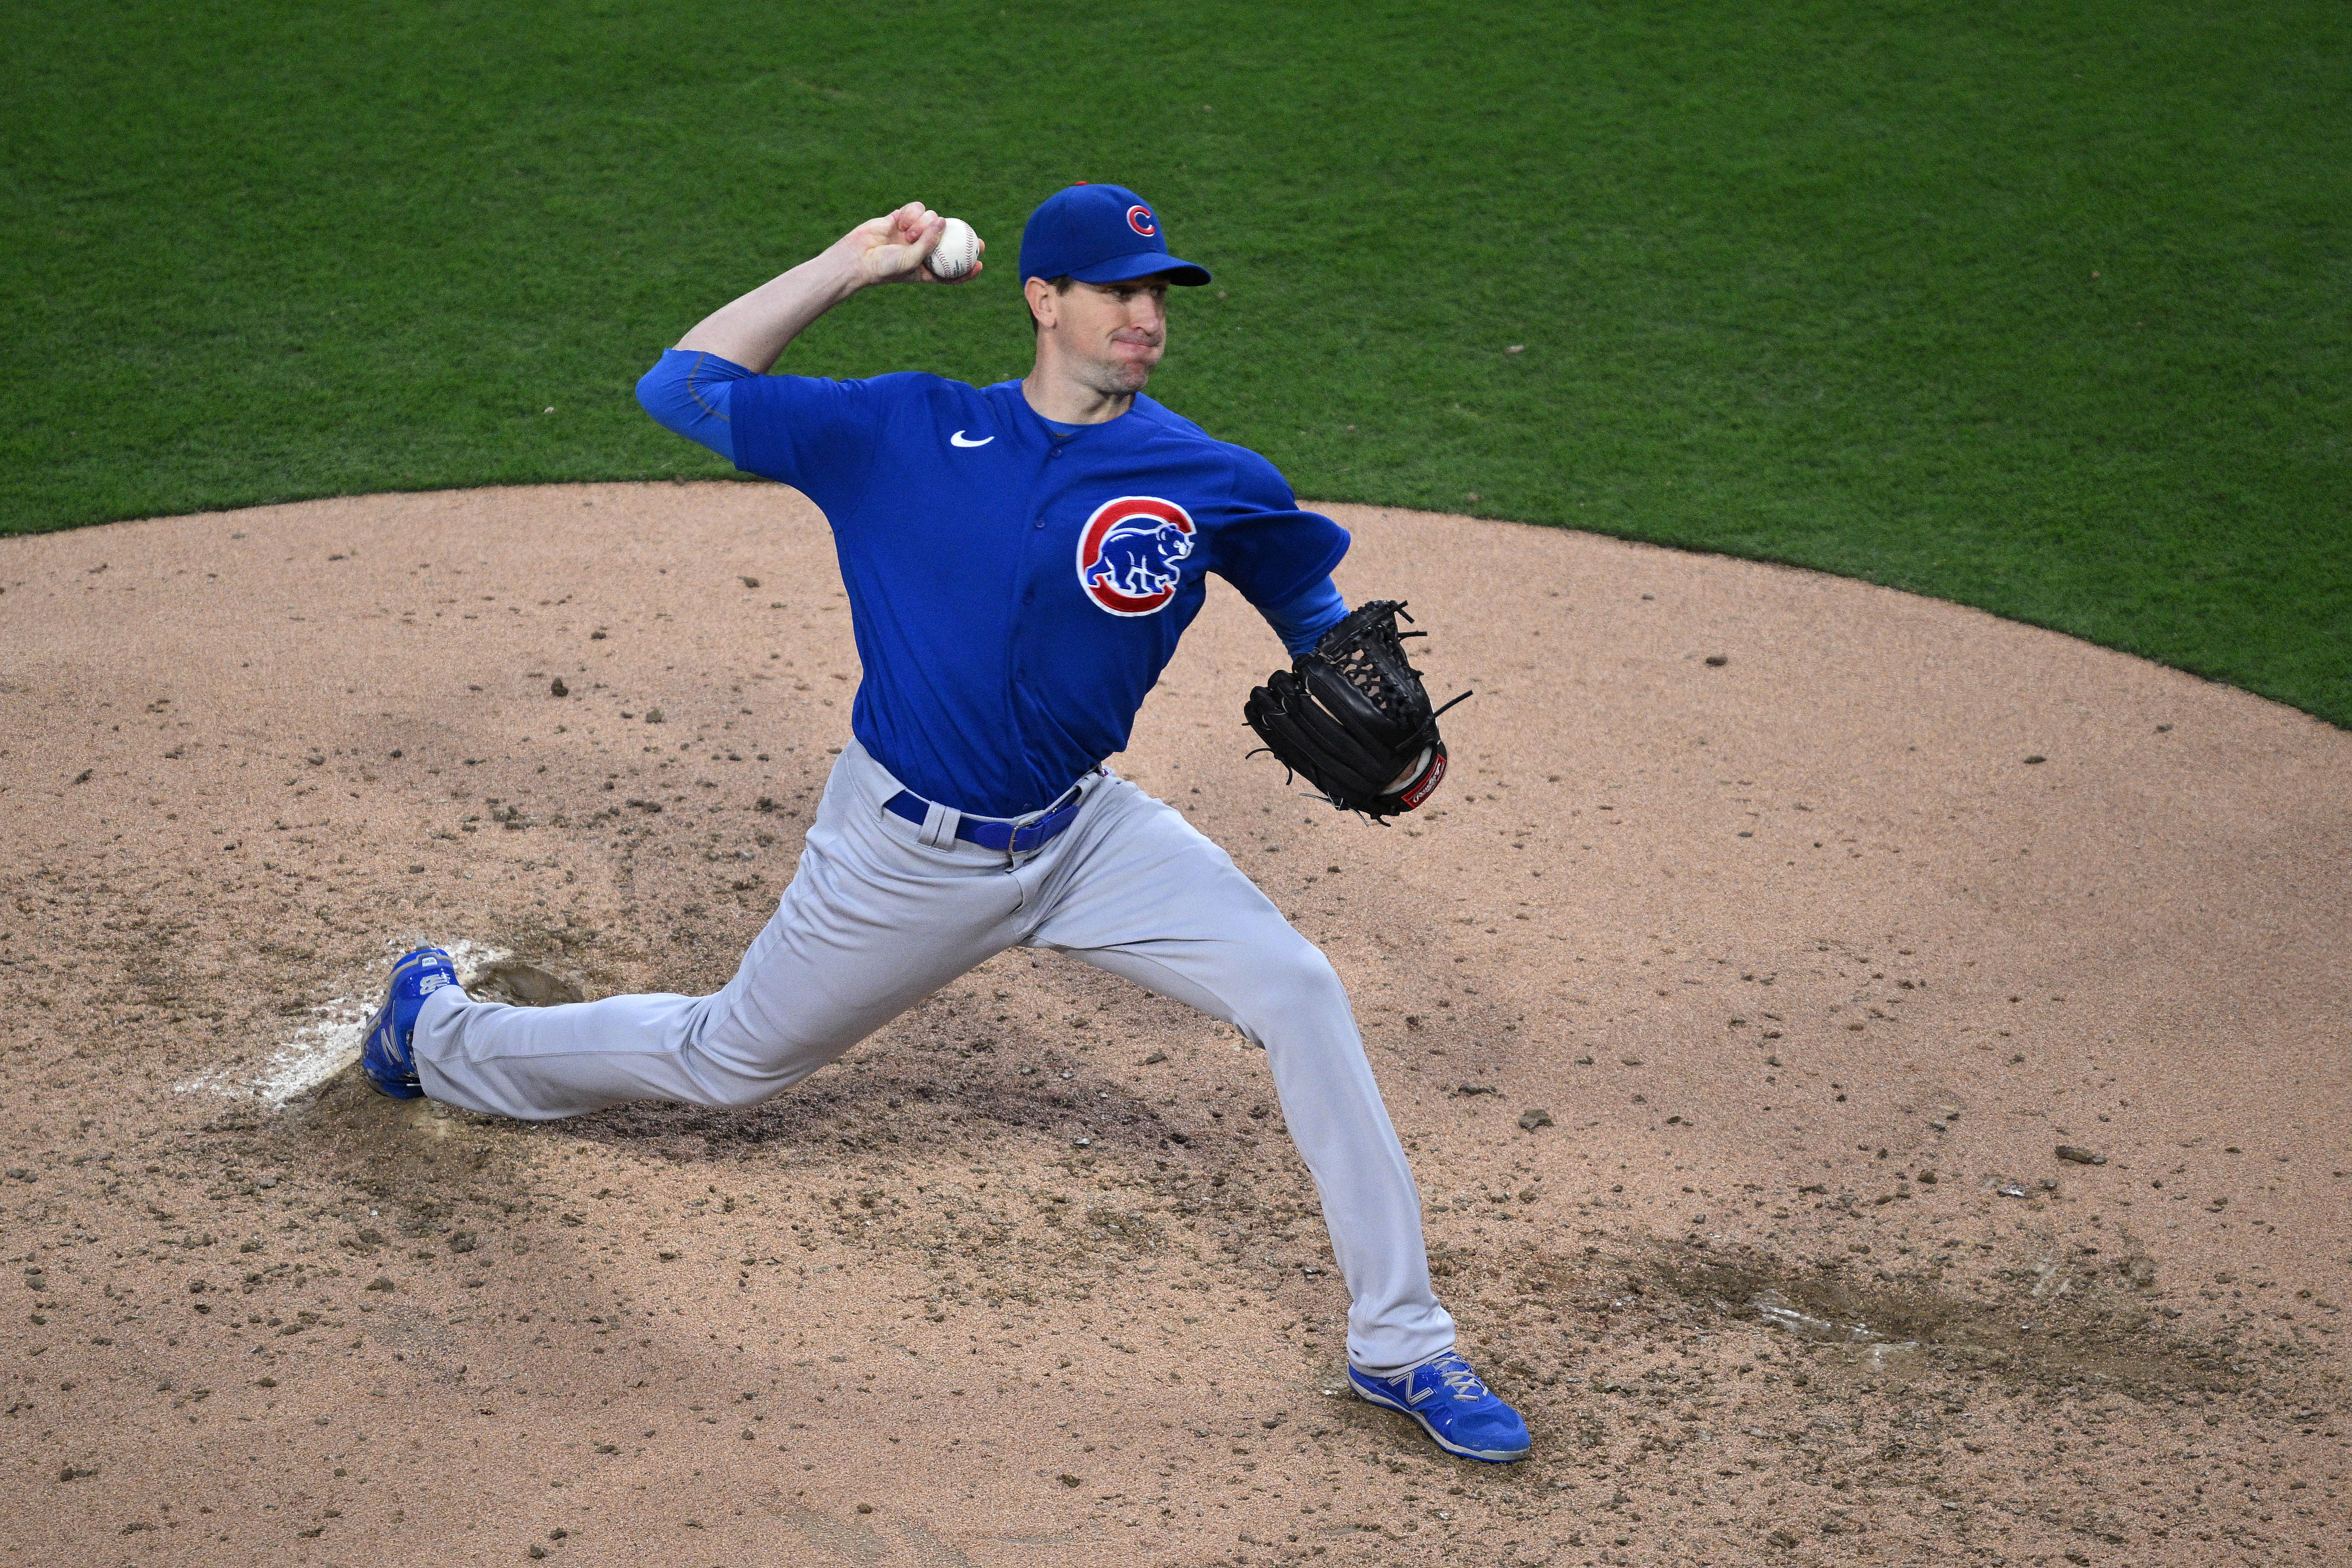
[[883, 911]]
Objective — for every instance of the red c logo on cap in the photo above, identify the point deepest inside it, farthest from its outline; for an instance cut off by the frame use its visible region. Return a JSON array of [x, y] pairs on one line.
[[1141, 220]]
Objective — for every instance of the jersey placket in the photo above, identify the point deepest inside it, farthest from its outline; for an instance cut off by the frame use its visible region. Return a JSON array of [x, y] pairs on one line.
[[1044, 546]]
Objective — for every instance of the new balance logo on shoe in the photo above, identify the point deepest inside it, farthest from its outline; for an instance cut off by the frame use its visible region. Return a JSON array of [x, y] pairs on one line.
[[1460, 1413]]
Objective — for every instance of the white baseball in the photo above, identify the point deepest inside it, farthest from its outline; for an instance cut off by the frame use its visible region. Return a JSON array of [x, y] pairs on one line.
[[957, 253]]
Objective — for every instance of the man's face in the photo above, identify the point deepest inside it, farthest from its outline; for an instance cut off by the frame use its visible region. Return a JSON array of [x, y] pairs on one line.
[[1111, 333]]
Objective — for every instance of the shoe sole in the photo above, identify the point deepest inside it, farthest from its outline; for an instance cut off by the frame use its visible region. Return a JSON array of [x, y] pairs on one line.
[[1484, 1456], [404, 1091]]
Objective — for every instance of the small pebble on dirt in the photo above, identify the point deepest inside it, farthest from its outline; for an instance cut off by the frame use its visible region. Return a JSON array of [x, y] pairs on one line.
[[1716, 660], [557, 688], [1535, 1116], [2080, 1156]]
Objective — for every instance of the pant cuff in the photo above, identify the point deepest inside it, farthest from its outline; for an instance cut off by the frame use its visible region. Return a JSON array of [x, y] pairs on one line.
[[1399, 1371]]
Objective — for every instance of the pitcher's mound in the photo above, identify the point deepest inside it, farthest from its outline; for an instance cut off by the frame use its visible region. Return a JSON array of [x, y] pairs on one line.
[[1735, 997]]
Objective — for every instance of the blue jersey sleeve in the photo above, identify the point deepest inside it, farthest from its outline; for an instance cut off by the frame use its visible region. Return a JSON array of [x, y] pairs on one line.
[[689, 391], [819, 437], [1269, 548], [1301, 621]]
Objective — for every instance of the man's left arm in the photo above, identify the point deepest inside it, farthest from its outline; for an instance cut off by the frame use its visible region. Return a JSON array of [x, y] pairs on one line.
[[1279, 556], [1351, 715], [1301, 621]]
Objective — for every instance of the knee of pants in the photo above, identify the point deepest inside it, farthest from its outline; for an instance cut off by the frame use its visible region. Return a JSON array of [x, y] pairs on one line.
[[1292, 978], [726, 1081], [733, 1090]]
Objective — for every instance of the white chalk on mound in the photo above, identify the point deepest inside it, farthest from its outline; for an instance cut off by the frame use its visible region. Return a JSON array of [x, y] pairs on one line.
[[319, 1051]]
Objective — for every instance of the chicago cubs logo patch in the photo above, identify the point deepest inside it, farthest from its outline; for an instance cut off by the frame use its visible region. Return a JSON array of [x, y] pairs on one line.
[[1139, 219], [1131, 554]]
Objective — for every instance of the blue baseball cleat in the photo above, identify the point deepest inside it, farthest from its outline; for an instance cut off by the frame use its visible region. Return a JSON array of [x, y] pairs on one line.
[[386, 1058], [1458, 1412]]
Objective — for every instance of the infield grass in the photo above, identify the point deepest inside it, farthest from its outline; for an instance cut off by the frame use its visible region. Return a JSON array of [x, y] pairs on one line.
[[2039, 308]]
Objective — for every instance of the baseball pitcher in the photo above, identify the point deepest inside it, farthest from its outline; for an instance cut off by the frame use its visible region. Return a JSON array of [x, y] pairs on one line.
[[1021, 560]]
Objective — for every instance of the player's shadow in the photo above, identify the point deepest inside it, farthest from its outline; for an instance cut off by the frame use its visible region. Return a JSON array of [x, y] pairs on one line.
[[1035, 1065], [914, 1097]]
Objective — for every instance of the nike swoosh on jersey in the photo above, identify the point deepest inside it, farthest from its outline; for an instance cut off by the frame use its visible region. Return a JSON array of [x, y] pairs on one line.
[[957, 440]]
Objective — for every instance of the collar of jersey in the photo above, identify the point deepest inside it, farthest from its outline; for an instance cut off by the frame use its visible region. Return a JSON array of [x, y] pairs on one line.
[[1143, 406]]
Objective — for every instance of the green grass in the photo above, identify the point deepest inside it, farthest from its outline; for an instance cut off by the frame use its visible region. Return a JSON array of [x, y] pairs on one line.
[[2035, 307]]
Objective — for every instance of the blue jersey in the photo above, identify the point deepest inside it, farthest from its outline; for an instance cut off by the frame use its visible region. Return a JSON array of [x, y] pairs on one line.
[[1016, 593]]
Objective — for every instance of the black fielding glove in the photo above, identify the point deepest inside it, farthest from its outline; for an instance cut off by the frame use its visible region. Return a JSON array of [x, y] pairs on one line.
[[1351, 717]]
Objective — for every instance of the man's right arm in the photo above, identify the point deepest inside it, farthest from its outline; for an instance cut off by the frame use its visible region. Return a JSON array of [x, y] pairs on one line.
[[693, 393], [713, 388], [753, 330]]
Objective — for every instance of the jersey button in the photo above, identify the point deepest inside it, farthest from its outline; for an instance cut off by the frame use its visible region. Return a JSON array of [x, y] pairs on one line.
[[1040, 522]]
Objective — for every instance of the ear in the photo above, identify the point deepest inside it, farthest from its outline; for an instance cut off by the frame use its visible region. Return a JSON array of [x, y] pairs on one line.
[[1042, 300]]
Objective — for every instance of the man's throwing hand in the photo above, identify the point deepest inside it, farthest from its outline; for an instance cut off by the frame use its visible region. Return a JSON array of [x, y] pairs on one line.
[[896, 246]]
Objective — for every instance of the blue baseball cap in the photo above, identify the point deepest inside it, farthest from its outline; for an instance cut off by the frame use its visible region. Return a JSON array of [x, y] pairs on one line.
[[1100, 234]]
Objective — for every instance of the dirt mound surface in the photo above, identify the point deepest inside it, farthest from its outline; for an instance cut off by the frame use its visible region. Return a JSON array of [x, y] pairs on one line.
[[1736, 998]]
